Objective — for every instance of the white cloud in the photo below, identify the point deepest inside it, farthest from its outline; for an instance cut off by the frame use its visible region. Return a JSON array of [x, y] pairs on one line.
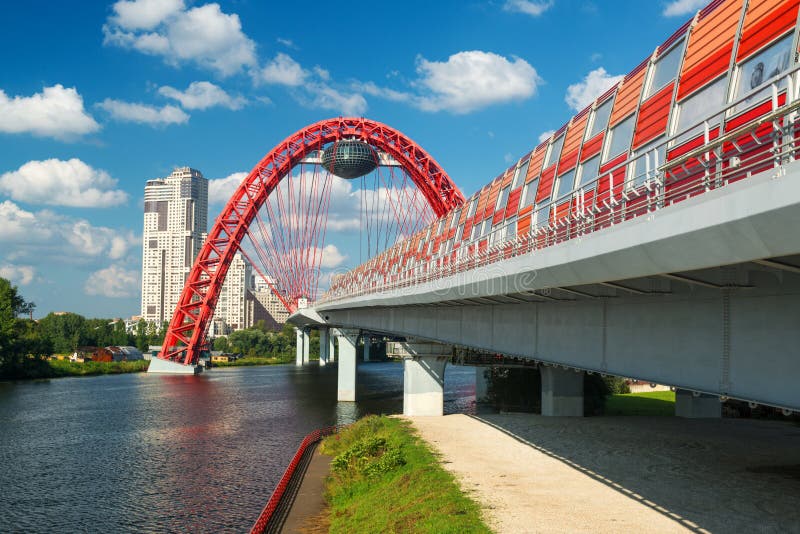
[[283, 70], [544, 136], [56, 182], [203, 95], [221, 189], [113, 281], [528, 7], [288, 43], [467, 81], [142, 113], [331, 257], [202, 35], [55, 112], [20, 274], [594, 84], [678, 8], [323, 96], [144, 14], [47, 236]]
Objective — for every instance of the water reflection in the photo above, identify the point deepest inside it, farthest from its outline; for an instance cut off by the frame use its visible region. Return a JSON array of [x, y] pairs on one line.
[[142, 453]]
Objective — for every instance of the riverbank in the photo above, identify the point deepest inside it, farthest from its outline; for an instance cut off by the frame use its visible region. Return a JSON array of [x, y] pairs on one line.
[[384, 478], [623, 474], [246, 362], [34, 369]]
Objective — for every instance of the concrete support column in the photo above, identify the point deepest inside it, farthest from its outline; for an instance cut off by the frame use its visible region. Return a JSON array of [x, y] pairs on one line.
[[331, 346], [481, 384], [306, 345], [301, 340], [367, 345], [423, 385], [323, 345], [691, 405], [347, 366], [562, 392]]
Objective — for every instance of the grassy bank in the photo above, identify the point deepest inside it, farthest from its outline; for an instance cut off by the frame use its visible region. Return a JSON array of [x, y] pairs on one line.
[[646, 403], [35, 368], [244, 362], [386, 479]]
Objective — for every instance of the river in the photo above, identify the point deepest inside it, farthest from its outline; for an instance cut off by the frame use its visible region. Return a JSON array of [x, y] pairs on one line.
[[154, 453]]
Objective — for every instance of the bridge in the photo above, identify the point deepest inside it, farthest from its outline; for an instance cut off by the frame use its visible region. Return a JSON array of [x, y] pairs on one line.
[[653, 236]]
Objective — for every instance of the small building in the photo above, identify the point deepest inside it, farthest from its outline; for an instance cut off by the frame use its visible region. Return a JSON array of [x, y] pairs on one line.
[[119, 354], [215, 358]]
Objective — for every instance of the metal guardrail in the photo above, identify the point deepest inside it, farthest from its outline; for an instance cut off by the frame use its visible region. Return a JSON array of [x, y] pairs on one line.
[[767, 142], [267, 520]]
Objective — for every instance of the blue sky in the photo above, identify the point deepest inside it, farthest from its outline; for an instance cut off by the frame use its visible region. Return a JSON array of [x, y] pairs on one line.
[[98, 97]]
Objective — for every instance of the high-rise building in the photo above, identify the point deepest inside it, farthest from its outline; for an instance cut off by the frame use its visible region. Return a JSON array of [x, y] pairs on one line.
[[264, 305], [230, 312], [175, 223]]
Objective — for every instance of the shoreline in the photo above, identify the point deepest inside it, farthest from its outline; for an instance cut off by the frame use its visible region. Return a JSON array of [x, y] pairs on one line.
[[609, 474]]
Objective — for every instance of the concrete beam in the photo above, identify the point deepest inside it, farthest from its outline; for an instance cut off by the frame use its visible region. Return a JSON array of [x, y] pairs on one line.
[[423, 385], [367, 344], [347, 366], [696, 405], [562, 392]]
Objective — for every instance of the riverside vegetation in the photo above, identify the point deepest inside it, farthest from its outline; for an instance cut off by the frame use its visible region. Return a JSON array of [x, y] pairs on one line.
[[26, 344], [384, 478]]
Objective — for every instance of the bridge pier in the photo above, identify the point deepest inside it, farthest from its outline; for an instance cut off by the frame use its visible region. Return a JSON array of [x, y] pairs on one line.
[[423, 376], [306, 346], [323, 346], [347, 366], [367, 346], [331, 346], [168, 367], [481, 384], [692, 406], [562, 392], [302, 346]]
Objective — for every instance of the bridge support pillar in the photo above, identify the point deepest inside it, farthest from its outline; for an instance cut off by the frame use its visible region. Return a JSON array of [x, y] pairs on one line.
[[562, 392], [331, 346], [323, 346], [423, 385], [347, 366], [481, 384], [168, 367], [302, 343], [306, 346], [367, 346], [690, 406]]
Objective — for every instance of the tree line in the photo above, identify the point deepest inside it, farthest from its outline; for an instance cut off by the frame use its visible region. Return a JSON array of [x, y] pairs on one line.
[[24, 342]]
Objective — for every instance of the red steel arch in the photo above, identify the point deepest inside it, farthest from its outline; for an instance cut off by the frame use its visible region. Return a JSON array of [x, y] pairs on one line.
[[195, 308]]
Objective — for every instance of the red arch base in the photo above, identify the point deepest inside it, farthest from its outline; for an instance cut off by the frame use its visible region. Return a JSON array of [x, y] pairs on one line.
[[189, 323]]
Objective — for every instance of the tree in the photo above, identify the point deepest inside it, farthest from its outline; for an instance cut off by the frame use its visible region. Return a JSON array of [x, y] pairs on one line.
[[11, 304], [221, 344], [22, 344], [141, 335]]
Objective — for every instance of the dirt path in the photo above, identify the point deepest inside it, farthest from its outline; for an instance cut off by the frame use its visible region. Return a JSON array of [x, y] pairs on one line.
[[624, 474], [308, 513]]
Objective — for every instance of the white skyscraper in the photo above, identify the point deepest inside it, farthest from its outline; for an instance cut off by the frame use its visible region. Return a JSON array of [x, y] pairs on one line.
[[231, 308], [175, 223]]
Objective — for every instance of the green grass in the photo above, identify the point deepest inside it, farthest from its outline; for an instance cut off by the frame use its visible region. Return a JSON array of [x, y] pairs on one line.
[[647, 403], [244, 362], [41, 368], [67, 368], [384, 478]]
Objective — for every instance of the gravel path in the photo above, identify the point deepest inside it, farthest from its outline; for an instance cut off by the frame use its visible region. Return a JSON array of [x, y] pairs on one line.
[[624, 474]]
